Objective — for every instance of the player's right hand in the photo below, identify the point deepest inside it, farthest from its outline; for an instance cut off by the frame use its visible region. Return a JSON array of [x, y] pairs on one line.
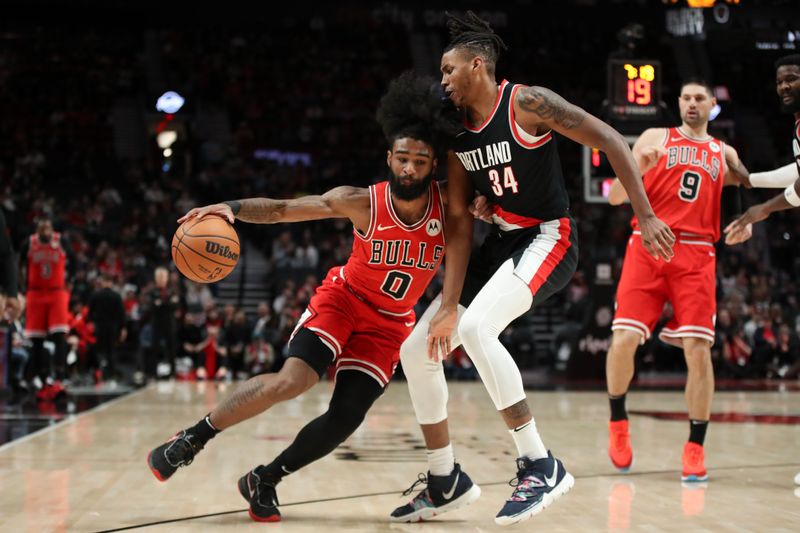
[[480, 208], [652, 154], [222, 210], [657, 238], [757, 213], [439, 332]]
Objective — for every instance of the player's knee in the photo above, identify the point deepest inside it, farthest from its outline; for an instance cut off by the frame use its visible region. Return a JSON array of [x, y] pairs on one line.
[[698, 355], [347, 415], [625, 342], [472, 327], [413, 351], [283, 386]]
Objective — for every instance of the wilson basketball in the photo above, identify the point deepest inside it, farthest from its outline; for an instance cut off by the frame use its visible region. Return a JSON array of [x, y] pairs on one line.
[[205, 250]]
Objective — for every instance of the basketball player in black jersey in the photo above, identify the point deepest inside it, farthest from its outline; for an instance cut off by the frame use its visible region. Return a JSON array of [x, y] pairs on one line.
[[507, 152], [787, 83]]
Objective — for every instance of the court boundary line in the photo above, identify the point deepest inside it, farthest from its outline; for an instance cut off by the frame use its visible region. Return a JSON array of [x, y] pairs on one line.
[[69, 419], [395, 492]]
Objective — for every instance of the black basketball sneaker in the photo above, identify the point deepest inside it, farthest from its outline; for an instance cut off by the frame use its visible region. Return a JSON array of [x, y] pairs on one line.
[[538, 484], [176, 452], [262, 497], [443, 494]]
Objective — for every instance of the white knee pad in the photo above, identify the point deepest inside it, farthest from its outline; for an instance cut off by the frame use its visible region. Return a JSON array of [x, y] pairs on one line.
[[426, 383], [503, 298]]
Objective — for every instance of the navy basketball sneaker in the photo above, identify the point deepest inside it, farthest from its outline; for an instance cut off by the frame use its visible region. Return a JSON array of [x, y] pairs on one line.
[[538, 484], [443, 494], [262, 497], [176, 452]]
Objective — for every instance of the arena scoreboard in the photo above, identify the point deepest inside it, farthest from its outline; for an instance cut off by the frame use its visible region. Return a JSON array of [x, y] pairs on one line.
[[634, 88]]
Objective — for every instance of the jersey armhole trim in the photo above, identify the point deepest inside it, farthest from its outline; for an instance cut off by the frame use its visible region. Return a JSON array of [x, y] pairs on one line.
[[517, 132], [373, 215]]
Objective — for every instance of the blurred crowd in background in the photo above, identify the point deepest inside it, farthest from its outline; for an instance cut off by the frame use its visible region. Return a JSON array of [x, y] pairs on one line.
[[288, 110]]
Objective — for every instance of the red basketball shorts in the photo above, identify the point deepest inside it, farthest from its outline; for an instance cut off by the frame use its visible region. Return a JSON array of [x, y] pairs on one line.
[[360, 336], [688, 281], [46, 312]]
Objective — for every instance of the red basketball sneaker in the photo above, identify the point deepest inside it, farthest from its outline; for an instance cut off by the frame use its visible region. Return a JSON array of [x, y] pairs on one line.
[[694, 468], [619, 445]]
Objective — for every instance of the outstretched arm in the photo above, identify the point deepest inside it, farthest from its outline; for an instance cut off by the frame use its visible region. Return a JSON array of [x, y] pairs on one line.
[[538, 108], [458, 230], [341, 202]]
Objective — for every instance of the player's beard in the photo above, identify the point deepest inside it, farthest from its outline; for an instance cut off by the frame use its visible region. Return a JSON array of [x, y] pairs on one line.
[[408, 192], [44, 238], [794, 105]]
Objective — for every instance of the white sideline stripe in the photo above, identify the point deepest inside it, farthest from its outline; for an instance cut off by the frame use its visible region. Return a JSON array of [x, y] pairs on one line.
[[539, 250], [632, 322], [329, 337], [374, 367], [72, 418]]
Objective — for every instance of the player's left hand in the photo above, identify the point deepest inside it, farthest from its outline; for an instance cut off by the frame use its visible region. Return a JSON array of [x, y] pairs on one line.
[[439, 332], [739, 236], [757, 213], [657, 238], [481, 209]]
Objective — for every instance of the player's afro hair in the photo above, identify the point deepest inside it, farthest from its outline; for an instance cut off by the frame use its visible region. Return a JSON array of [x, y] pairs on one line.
[[415, 106]]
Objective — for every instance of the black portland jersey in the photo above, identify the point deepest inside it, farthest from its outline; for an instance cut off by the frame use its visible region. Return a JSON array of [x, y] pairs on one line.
[[519, 173]]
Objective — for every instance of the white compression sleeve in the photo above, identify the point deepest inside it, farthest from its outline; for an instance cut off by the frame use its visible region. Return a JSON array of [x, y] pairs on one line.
[[504, 297], [775, 179], [426, 383]]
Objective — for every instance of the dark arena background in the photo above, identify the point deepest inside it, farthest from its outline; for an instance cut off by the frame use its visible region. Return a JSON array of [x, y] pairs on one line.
[[117, 118]]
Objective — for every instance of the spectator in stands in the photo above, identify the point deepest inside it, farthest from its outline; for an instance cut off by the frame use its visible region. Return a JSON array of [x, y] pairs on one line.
[[161, 304], [107, 313]]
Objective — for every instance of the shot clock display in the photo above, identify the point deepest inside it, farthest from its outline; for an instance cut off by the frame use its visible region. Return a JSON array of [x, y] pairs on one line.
[[634, 88]]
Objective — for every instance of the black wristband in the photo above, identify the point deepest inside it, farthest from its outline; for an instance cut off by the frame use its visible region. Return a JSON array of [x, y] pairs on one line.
[[235, 206]]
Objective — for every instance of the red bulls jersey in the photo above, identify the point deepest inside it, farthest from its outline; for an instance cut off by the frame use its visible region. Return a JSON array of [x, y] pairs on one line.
[[46, 264], [392, 264], [685, 186]]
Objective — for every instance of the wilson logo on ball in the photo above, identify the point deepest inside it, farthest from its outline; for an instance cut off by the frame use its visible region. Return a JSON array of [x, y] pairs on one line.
[[222, 251]]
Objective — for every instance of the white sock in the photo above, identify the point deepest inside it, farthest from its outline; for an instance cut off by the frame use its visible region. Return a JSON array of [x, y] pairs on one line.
[[442, 461], [529, 443]]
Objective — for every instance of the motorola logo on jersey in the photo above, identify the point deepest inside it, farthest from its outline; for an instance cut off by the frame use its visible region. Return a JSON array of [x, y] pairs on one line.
[[398, 252], [488, 156], [222, 251], [434, 227], [688, 155]]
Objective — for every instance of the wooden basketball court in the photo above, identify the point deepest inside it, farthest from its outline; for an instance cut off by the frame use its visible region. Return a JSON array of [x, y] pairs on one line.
[[89, 472]]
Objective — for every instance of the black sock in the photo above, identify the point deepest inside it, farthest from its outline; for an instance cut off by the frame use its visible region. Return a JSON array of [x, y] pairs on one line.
[[204, 430], [697, 431], [273, 472], [618, 411]]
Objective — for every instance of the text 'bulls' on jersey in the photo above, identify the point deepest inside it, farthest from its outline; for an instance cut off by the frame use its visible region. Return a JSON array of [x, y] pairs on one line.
[[393, 262], [685, 186]]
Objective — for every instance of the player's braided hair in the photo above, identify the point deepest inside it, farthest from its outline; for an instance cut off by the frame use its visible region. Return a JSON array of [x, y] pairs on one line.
[[793, 59], [475, 35], [414, 106]]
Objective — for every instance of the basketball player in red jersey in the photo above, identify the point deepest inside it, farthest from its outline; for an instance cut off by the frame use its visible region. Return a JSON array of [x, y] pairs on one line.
[[362, 312], [45, 256], [508, 152], [684, 172]]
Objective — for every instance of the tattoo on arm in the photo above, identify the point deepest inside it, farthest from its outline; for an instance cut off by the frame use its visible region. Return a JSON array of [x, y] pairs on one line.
[[261, 210], [550, 106], [243, 395]]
